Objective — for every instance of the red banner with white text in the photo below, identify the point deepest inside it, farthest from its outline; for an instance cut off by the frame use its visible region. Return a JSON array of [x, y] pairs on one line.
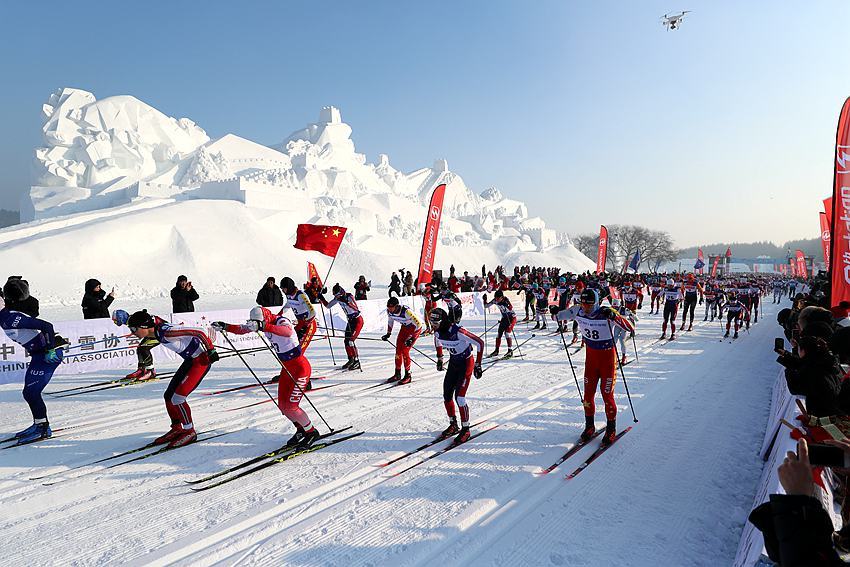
[[429, 240], [839, 254], [714, 267], [602, 253], [801, 264]]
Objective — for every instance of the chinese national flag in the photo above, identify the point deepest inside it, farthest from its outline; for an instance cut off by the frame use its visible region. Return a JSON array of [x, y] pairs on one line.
[[321, 238]]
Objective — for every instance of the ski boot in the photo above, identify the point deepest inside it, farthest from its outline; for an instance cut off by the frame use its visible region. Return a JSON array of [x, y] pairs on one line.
[[297, 438], [610, 432], [308, 386], [494, 353], [141, 373], [735, 336], [509, 354], [575, 339], [704, 319], [589, 429], [348, 364], [463, 435], [184, 437], [176, 430], [672, 336], [407, 378], [623, 360], [663, 335], [726, 335], [309, 438], [452, 429], [355, 365], [395, 377], [691, 327], [36, 432], [536, 326]]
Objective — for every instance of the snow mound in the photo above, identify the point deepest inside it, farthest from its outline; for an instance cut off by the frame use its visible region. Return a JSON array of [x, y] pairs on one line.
[[110, 156]]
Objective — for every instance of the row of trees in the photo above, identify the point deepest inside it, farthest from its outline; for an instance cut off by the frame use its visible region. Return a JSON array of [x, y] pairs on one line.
[[656, 246]]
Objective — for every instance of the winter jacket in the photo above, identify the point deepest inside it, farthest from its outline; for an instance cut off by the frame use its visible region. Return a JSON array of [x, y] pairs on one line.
[[28, 306], [360, 289], [182, 300], [817, 376], [95, 303], [269, 296], [797, 531]]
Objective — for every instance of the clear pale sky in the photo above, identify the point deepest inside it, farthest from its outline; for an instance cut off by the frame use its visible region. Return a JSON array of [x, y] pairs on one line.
[[589, 111]]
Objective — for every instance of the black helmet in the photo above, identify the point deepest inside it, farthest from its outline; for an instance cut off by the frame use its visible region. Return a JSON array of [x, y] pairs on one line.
[[337, 289], [16, 290], [287, 283], [392, 302], [141, 320], [438, 315], [588, 296], [498, 293]]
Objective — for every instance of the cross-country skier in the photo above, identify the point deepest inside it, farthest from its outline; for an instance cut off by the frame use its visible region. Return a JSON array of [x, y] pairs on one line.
[[144, 356], [596, 324], [410, 330], [506, 322], [462, 366], [541, 305], [778, 290], [655, 290], [38, 339], [672, 297], [301, 305], [452, 301], [295, 368], [620, 333], [693, 293], [198, 354], [630, 296], [755, 299], [354, 322], [734, 310]]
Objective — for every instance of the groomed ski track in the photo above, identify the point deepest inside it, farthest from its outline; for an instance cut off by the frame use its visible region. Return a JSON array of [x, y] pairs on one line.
[[676, 490]]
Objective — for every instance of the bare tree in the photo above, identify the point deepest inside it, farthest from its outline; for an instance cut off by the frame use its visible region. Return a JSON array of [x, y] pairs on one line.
[[623, 241]]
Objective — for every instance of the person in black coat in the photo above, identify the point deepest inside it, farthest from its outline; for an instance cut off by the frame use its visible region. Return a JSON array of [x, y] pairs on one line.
[[270, 294], [815, 373], [95, 301], [28, 306], [183, 296]]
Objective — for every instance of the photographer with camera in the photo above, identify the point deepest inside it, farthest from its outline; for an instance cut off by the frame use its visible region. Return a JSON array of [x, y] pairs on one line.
[[183, 296]]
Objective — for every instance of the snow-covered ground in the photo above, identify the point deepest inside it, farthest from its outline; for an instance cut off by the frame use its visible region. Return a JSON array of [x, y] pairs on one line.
[[674, 491]]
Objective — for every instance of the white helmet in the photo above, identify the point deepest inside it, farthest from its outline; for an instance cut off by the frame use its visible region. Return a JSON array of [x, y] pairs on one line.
[[670, 281]]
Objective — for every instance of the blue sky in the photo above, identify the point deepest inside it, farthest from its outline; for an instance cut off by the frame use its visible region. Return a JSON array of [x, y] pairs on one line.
[[590, 112]]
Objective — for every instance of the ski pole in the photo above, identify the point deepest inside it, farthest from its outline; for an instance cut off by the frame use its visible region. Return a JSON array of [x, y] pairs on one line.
[[516, 340], [295, 382], [573, 368], [634, 343], [498, 359], [333, 331], [251, 370], [411, 358], [623, 374], [485, 324], [423, 354]]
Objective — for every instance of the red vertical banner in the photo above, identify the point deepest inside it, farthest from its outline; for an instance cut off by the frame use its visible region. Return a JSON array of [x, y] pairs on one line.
[[824, 238], [429, 240], [701, 259], [827, 208], [756, 268], [602, 253], [714, 266], [839, 250], [313, 273], [801, 264]]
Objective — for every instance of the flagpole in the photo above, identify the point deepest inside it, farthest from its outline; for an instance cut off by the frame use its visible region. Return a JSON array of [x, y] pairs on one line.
[[333, 330]]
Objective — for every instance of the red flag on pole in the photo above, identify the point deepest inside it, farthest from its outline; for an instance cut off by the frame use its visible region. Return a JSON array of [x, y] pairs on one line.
[[729, 252], [429, 240], [602, 253], [801, 264], [321, 238], [839, 253], [701, 259], [313, 273], [714, 267], [824, 238]]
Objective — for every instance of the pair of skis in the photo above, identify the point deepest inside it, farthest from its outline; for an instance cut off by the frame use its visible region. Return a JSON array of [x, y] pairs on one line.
[[266, 460], [578, 447]]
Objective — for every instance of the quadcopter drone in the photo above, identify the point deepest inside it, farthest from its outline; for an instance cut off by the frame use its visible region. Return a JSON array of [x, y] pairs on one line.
[[672, 22]]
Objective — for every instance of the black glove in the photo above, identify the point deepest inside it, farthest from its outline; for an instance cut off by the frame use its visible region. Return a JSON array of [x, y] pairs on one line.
[[408, 342], [439, 365], [219, 325], [485, 298], [631, 334], [385, 337], [477, 371], [212, 356]]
